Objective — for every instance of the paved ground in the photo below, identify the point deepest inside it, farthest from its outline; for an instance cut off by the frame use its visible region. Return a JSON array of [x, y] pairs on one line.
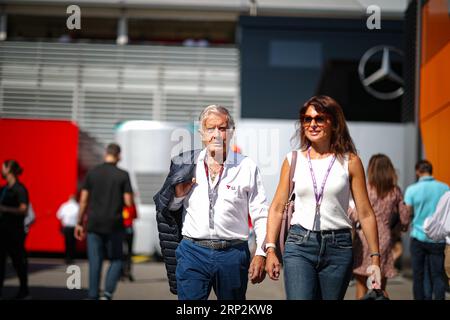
[[48, 280]]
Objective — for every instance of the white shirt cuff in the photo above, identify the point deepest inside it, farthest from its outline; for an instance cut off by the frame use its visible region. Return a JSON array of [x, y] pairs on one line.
[[259, 251]]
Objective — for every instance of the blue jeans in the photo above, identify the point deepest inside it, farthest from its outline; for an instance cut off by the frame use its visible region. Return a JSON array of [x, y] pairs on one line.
[[99, 245], [200, 268], [318, 266], [427, 283], [428, 257]]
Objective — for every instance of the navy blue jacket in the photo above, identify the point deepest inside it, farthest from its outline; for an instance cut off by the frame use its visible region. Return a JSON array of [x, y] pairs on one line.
[[182, 169]]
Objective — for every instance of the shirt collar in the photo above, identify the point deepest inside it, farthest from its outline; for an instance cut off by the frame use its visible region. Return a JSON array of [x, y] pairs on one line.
[[230, 160], [426, 178]]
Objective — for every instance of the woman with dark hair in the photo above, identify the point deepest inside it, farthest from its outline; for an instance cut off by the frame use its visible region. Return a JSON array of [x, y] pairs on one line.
[[318, 255], [387, 202], [13, 209]]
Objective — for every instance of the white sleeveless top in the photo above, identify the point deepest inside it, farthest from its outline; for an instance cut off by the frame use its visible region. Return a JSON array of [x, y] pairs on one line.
[[335, 202]]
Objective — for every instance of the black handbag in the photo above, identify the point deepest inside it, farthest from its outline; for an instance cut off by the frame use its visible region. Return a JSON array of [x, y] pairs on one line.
[[375, 294]]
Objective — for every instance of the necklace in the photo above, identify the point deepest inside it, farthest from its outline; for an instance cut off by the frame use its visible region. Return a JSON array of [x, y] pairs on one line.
[[321, 155], [213, 173]]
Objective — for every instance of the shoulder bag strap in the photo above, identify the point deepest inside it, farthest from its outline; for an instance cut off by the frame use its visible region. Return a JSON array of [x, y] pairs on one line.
[[291, 174], [291, 188]]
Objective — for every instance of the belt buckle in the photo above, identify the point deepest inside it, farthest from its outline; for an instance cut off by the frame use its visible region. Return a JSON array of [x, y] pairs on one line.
[[216, 244], [221, 244]]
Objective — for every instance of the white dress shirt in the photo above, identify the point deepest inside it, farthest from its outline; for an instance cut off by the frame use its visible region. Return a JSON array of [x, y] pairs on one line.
[[437, 226], [68, 213], [239, 192]]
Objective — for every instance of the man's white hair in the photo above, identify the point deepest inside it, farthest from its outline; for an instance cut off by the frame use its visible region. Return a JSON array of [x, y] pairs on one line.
[[216, 109]]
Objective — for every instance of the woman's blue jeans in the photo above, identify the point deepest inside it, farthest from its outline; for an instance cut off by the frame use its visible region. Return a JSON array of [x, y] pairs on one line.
[[319, 265]]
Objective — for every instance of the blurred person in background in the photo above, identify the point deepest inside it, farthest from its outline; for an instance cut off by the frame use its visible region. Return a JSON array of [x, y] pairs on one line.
[[14, 203], [68, 215], [422, 198], [106, 190], [129, 215], [386, 199]]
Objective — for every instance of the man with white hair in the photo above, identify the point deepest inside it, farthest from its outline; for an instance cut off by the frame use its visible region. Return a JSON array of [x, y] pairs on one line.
[[225, 188]]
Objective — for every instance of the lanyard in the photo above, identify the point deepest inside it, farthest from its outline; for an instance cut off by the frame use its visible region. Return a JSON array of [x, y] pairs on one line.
[[318, 195], [212, 194]]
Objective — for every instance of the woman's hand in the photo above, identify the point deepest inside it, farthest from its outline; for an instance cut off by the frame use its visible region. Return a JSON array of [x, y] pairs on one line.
[[273, 265], [374, 277]]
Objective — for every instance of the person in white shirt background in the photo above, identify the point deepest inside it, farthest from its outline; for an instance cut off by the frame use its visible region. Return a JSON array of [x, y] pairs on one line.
[[437, 227], [68, 214], [226, 188]]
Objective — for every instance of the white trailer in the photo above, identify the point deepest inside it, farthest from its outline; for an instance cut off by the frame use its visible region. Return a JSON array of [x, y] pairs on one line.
[[147, 147]]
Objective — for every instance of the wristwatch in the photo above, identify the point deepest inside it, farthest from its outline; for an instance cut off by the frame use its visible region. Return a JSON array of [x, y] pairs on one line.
[[269, 245]]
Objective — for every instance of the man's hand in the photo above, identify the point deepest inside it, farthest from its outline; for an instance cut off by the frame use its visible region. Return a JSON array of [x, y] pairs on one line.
[[273, 265], [256, 271], [183, 188], [79, 232]]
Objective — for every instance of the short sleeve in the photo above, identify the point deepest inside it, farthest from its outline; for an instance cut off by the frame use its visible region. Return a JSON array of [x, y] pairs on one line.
[[127, 187], [23, 195], [409, 196], [405, 216], [87, 185]]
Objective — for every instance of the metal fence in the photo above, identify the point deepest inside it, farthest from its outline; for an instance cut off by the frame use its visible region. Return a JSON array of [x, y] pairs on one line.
[[98, 86]]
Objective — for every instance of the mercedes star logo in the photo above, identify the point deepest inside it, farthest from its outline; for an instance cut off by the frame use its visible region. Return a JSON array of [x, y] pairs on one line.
[[385, 72]]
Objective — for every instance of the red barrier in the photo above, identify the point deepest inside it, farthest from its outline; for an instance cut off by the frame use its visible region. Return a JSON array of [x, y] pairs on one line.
[[48, 152]]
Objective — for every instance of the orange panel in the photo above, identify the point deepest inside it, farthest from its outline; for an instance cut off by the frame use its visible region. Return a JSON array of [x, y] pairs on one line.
[[435, 28], [436, 138], [435, 83], [435, 87]]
